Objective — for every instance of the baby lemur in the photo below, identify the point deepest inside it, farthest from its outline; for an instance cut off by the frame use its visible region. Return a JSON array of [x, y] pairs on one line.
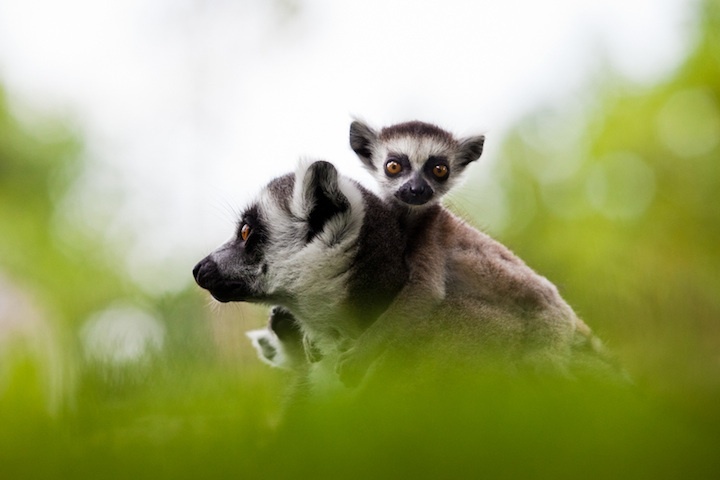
[[460, 279]]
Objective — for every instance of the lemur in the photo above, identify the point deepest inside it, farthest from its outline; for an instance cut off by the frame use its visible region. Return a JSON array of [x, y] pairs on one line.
[[418, 174], [416, 164], [324, 249], [452, 266], [337, 258]]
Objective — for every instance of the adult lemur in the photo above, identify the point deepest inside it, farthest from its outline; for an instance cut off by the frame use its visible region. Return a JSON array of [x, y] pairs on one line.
[[440, 282]]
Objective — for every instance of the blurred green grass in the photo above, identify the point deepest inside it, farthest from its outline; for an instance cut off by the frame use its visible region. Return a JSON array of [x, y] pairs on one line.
[[614, 195], [217, 424]]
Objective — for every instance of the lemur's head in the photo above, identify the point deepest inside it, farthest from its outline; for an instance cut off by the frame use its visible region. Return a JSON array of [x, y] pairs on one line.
[[282, 236], [315, 242], [415, 162]]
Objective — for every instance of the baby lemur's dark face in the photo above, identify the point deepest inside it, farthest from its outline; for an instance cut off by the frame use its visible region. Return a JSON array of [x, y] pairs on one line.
[[415, 163]]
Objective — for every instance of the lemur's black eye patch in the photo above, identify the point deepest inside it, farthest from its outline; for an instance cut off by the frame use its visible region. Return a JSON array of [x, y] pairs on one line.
[[440, 171], [251, 231], [395, 164], [245, 232], [437, 168], [247, 223], [392, 168]]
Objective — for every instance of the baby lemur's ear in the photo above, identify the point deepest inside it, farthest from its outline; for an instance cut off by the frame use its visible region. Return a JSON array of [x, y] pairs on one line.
[[318, 197], [362, 140], [470, 149]]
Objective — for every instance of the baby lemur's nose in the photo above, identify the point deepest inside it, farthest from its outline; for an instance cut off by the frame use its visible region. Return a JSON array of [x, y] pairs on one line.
[[417, 189]]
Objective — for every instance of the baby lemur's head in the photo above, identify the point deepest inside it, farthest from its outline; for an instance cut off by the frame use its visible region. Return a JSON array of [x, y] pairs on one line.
[[415, 163]]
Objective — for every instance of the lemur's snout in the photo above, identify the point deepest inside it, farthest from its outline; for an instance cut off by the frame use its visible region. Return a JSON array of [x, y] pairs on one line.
[[417, 189], [223, 289], [415, 192], [196, 270], [204, 271]]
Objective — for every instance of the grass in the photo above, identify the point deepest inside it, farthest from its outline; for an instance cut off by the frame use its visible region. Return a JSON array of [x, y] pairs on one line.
[[213, 419]]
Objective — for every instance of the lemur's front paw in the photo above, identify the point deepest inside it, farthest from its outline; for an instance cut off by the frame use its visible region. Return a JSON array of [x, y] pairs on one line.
[[267, 346], [284, 325], [352, 366]]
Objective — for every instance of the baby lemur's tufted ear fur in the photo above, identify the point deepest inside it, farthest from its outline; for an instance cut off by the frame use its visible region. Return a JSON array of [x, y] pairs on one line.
[[318, 196], [362, 141], [470, 149]]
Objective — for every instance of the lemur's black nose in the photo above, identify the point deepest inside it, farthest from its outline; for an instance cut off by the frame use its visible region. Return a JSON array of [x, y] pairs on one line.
[[417, 189], [415, 192], [206, 274], [196, 270]]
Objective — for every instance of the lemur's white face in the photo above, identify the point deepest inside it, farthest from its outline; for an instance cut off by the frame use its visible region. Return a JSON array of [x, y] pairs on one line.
[[296, 235], [415, 171], [415, 163]]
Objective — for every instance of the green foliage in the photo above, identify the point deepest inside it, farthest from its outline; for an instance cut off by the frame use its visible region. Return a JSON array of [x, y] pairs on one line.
[[220, 425], [616, 197], [38, 163]]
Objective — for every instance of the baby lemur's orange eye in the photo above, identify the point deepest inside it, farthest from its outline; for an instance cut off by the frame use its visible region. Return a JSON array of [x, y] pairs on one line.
[[393, 168], [440, 171], [245, 232]]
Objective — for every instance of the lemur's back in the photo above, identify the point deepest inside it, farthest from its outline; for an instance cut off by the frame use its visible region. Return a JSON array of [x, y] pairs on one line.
[[493, 306], [490, 295]]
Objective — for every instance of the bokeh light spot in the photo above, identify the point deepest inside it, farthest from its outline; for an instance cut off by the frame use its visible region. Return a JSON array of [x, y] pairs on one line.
[[621, 186], [122, 335], [689, 123]]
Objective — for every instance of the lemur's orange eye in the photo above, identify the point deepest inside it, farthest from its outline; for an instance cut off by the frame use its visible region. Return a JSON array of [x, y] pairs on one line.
[[393, 168], [440, 171], [245, 232]]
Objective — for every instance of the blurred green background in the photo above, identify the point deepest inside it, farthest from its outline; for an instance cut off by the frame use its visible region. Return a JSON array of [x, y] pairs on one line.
[[613, 194]]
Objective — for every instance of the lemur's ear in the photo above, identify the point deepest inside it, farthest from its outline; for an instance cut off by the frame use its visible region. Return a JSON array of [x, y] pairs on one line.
[[362, 140], [470, 149], [318, 197]]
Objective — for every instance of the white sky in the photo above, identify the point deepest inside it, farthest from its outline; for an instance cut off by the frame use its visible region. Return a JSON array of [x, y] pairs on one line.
[[188, 107]]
